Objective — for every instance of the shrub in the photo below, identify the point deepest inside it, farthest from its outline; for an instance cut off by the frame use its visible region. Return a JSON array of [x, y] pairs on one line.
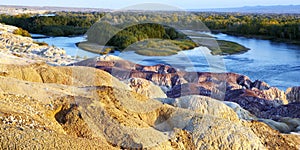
[[21, 32]]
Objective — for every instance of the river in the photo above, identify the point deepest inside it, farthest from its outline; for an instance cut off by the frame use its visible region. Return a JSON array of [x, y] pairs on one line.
[[278, 64]]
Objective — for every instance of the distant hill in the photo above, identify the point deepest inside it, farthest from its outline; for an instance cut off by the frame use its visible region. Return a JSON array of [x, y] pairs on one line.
[[14, 9], [278, 9]]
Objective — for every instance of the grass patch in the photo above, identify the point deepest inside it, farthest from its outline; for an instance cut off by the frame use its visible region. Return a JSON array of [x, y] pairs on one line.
[[156, 52], [21, 32], [163, 47], [154, 47], [184, 44], [159, 47], [95, 48], [148, 47], [222, 47], [228, 47]]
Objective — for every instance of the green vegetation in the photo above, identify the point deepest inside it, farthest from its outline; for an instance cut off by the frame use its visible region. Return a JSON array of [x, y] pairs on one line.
[[228, 47], [148, 47], [272, 26], [221, 47], [156, 47], [22, 32], [106, 34], [278, 27], [63, 24], [185, 44], [95, 48]]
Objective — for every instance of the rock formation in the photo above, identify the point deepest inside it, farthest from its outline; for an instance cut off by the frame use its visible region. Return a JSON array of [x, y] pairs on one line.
[[293, 94], [256, 98], [241, 112], [91, 109], [27, 47], [145, 87], [177, 83]]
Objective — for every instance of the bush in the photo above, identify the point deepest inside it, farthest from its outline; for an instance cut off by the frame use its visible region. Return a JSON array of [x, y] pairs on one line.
[[22, 32]]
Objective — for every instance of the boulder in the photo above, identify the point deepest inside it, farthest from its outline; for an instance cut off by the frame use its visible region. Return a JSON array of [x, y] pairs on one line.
[[241, 112], [260, 85], [203, 105], [280, 126], [293, 123], [297, 129], [216, 133], [293, 94], [244, 81]]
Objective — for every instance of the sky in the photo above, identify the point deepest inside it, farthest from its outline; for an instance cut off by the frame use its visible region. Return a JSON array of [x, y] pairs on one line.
[[119, 4]]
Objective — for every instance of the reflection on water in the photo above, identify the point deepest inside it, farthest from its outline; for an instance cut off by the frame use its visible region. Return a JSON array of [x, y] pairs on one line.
[[276, 63]]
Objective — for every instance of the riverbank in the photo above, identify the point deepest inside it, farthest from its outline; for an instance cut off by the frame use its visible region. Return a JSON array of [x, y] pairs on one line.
[[263, 37], [149, 47], [163, 47], [26, 47], [222, 47]]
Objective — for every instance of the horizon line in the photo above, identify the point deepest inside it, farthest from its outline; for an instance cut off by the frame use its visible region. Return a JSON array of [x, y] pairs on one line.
[[50, 6]]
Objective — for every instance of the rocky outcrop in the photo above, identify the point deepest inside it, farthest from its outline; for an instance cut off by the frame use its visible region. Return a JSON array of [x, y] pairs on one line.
[[273, 94], [241, 112], [43, 73], [290, 110], [257, 97], [221, 130], [263, 108], [260, 85], [293, 94], [145, 87], [26, 47], [279, 126], [178, 83], [20, 44], [255, 105], [90, 109], [244, 81], [293, 123], [188, 89], [160, 74], [273, 139], [203, 105], [261, 89]]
